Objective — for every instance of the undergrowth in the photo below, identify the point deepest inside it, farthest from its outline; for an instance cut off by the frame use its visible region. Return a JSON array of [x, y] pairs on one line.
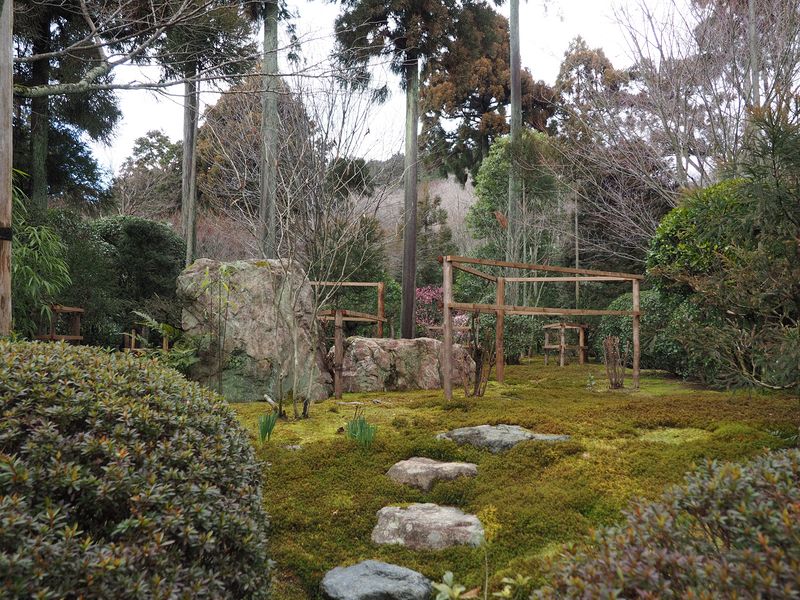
[[323, 498]]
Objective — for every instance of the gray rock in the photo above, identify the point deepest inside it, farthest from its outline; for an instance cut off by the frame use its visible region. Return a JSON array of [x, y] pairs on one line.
[[375, 580], [385, 364], [266, 300], [422, 473], [497, 438], [427, 527]]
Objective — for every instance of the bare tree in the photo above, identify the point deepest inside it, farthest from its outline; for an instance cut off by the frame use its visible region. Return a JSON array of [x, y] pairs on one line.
[[326, 202], [677, 118]]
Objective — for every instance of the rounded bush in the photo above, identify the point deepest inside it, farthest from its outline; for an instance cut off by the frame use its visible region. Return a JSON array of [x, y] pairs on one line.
[[691, 238], [729, 531], [120, 479]]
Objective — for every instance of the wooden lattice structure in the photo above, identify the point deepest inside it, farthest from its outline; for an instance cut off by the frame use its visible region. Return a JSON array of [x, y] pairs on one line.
[[561, 327], [339, 316], [73, 315], [501, 309]]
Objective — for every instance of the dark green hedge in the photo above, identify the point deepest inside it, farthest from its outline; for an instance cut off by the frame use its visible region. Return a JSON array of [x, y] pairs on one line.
[[120, 479]]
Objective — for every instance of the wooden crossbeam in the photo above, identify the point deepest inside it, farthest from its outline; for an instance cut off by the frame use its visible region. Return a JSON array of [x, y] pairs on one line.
[[347, 283], [476, 272], [537, 310], [349, 315], [454, 260], [564, 279]]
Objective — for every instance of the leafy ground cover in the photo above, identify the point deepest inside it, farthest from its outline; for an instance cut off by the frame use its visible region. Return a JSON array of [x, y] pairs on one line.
[[323, 497]]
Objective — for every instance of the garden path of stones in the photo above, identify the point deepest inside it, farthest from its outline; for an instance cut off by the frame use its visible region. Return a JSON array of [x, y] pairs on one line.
[[423, 526]]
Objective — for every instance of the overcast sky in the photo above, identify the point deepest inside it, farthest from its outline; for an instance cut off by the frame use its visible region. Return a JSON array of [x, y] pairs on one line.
[[545, 33]]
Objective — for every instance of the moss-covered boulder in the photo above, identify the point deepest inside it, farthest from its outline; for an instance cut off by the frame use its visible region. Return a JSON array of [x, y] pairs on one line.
[[383, 364], [258, 317]]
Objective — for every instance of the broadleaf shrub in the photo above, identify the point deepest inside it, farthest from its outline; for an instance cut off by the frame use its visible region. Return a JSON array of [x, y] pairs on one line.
[[660, 350], [730, 531], [691, 238], [120, 479]]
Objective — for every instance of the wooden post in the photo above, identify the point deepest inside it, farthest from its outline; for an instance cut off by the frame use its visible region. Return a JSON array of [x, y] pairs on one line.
[[581, 344], [562, 342], [447, 329], [498, 334], [546, 344], [381, 308], [6, 202], [338, 353], [636, 319], [75, 324]]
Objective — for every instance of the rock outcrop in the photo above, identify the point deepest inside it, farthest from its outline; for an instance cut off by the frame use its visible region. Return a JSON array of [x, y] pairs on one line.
[[259, 313], [427, 527], [422, 473], [384, 364], [497, 438], [375, 580]]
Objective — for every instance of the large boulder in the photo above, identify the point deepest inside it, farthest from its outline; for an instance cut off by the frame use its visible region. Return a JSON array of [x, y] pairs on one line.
[[385, 364], [261, 313], [375, 580], [497, 438], [422, 472], [427, 527]]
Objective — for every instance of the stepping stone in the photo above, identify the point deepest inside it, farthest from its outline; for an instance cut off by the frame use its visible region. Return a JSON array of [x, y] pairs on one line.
[[422, 473], [497, 438], [375, 580], [427, 527]]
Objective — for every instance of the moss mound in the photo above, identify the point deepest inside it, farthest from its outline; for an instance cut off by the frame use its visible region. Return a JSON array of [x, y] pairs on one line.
[[119, 479]]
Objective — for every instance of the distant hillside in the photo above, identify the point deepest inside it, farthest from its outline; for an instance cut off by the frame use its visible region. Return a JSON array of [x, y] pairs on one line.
[[456, 200]]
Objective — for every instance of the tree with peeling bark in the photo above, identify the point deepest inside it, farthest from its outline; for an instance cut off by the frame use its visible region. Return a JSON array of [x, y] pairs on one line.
[[407, 33]]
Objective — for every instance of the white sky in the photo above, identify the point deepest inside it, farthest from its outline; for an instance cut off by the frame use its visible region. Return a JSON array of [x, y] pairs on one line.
[[545, 33]]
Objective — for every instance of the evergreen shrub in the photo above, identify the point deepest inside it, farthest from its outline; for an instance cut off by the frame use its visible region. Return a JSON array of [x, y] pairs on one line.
[[730, 531], [120, 479]]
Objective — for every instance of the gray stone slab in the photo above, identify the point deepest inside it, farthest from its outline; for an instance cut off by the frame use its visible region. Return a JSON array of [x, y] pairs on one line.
[[375, 580], [427, 527], [497, 438]]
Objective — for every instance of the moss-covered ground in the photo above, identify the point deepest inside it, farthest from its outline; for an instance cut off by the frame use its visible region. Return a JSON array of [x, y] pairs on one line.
[[323, 497]]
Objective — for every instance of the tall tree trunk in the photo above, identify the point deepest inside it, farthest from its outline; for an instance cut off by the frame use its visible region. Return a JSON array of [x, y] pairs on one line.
[[516, 130], [40, 116], [407, 324], [755, 62], [189, 170], [269, 134], [6, 101]]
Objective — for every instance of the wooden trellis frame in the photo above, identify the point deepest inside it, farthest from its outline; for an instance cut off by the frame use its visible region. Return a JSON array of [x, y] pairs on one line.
[[501, 309], [339, 316]]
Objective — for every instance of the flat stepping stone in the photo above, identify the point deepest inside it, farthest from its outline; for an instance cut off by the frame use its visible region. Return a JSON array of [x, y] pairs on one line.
[[422, 472], [497, 438], [375, 580], [427, 527]]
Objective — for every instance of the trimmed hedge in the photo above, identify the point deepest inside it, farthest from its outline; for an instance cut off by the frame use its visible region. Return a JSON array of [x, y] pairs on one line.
[[120, 479], [729, 531]]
